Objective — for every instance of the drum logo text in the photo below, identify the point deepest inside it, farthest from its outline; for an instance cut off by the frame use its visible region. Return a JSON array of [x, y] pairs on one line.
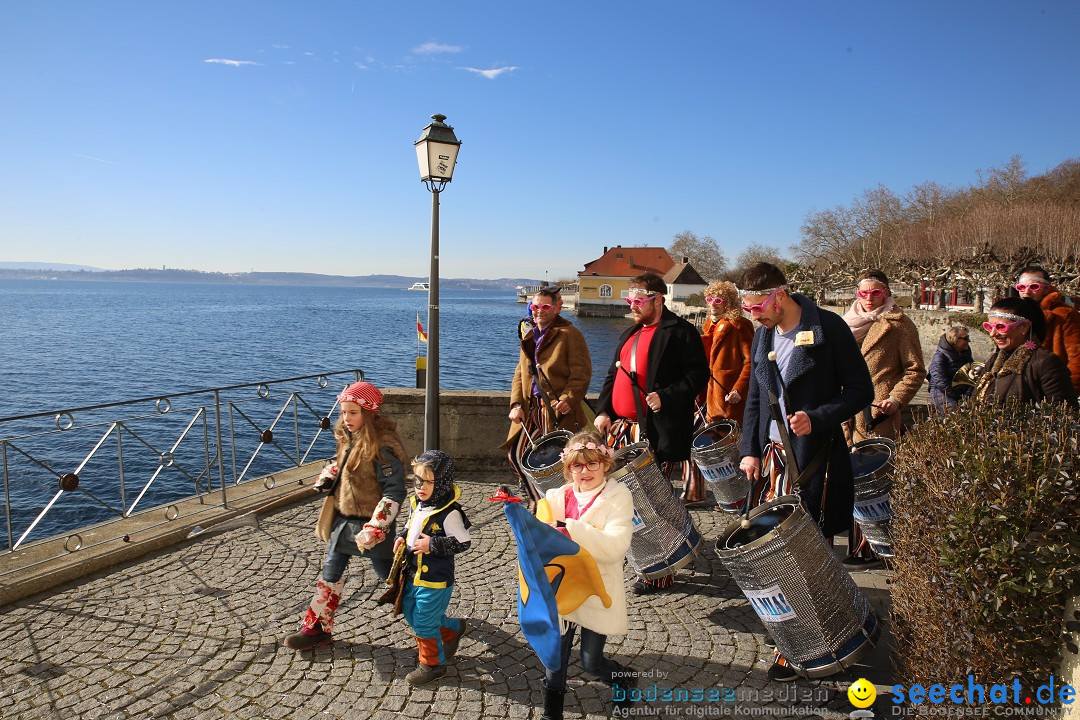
[[724, 470], [873, 510], [771, 604]]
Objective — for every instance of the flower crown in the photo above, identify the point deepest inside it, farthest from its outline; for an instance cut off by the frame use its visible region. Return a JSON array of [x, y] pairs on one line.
[[578, 447]]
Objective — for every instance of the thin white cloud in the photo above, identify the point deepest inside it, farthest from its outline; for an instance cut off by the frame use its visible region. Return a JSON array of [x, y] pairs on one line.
[[231, 63], [107, 162], [433, 48], [492, 73]]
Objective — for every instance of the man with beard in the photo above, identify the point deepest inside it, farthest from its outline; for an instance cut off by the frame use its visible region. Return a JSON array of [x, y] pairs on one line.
[[664, 354], [806, 357]]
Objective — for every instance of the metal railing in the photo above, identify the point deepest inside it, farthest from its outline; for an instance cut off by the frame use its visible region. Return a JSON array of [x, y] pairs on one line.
[[64, 470]]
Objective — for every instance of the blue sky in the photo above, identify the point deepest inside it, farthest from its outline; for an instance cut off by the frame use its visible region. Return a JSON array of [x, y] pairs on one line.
[[277, 136]]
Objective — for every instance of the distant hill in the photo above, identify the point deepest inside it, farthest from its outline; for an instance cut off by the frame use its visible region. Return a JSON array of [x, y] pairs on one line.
[[46, 266], [75, 272]]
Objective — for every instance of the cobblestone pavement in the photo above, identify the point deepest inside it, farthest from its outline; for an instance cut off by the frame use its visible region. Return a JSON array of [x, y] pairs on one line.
[[196, 632]]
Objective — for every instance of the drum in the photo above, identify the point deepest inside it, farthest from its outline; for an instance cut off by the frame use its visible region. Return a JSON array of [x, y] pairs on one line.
[[716, 452], [664, 537], [818, 618], [872, 465], [542, 464]]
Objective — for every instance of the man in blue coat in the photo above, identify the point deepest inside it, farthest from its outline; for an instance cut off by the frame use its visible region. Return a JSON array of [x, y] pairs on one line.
[[825, 381]]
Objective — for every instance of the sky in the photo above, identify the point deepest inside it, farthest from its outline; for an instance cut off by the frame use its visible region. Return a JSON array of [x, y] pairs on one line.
[[240, 136]]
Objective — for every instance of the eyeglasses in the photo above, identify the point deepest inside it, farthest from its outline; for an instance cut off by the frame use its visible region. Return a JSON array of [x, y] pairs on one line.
[[638, 302], [1001, 327], [544, 307], [578, 468], [760, 307], [866, 294], [714, 300], [1033, 287]]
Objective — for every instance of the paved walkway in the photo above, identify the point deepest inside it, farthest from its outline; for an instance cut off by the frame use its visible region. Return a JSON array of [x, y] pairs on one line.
[[195, 632]]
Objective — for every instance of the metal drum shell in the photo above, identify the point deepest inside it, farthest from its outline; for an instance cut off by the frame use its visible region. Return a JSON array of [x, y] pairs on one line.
[[874, 486], [667, 542], [547, 477], [831, 624], [727, 491]]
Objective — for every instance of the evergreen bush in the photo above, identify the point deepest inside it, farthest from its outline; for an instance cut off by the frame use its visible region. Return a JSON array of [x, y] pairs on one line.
[[986, 531]]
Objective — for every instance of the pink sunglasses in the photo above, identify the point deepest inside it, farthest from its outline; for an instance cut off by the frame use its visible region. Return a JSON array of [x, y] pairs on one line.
[[866, 294], [714, 300], [760, 307], [1001, 327], [533, 307], [1033, 287]]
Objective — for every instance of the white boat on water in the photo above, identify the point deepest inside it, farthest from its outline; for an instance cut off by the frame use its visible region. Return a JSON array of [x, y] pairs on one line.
[[420, 286]]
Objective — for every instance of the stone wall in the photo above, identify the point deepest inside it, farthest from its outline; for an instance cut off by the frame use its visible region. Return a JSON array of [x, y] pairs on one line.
[[472, 424]]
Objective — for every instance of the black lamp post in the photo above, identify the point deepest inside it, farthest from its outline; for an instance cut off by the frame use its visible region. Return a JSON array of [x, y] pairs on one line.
[[436, 153]]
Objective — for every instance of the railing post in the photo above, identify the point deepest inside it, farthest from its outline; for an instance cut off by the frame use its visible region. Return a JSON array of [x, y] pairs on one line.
[[120, 462], [7, 496], [221, 459]]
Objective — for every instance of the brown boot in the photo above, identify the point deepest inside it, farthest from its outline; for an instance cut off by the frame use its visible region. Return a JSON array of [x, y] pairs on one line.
[[423, 674], [308, 639]]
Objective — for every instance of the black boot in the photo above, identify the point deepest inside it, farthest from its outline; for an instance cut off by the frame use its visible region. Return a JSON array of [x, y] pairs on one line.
[[553, 703]]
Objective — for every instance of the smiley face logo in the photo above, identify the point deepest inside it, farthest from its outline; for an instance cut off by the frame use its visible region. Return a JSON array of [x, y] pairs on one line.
[[862, 693]]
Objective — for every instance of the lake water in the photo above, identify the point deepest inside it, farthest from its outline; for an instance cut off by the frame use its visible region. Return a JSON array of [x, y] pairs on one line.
[[69, 344]]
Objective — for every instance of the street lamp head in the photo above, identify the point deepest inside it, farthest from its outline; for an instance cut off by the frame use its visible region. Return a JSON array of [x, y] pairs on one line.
[[436, 153]]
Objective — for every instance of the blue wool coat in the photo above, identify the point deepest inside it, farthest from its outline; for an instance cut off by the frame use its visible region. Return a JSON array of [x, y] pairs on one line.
[[829, 381]]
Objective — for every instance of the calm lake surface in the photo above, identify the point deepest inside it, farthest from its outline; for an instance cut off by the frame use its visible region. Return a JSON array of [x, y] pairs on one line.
[[69, 344]]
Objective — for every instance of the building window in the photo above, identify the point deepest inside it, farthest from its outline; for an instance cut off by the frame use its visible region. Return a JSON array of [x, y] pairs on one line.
[[605, 291]]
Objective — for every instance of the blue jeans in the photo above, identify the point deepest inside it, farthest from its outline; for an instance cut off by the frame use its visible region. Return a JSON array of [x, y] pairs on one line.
[[335, 563], [592, 658]]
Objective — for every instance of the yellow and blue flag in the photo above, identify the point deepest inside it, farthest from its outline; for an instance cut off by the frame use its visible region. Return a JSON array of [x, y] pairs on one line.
[[555, 574]]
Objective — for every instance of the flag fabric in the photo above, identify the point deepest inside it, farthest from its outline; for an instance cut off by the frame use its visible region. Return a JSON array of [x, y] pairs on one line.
[[421, 336], [555, 575]]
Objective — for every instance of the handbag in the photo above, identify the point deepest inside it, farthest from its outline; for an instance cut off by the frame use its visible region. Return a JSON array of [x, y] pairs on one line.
[[396, 581], [324, 526]]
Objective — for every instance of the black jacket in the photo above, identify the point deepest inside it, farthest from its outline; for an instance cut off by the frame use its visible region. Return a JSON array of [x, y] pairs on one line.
[[829, 381], [677, 371]]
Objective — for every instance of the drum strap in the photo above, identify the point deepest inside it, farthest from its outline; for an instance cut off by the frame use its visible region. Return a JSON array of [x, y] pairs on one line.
[[815, 463]]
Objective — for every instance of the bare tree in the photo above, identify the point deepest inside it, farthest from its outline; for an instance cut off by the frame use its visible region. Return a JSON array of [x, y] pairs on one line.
[[704, 254]]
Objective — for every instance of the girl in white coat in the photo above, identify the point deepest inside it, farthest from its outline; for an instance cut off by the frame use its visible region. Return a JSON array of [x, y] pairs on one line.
[[598, 516]]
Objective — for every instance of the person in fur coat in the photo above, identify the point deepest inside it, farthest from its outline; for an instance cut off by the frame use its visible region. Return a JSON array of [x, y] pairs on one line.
[[1062, 321], [889, 342], [727, 336]]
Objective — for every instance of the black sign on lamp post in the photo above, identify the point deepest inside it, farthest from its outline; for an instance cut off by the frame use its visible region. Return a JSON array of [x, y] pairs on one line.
[[436, 153]]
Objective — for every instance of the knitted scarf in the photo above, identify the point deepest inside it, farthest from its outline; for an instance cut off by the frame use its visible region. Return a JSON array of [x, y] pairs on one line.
[[860, 321]]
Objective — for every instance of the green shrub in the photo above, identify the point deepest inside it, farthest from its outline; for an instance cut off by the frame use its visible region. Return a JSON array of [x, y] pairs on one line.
[[985, 530]]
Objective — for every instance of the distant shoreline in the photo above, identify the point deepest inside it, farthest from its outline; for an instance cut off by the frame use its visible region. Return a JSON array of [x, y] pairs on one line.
[[258, 278]]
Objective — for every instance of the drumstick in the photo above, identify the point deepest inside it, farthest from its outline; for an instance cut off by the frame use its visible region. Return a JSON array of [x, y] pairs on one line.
[[532, 443], [781, 421]]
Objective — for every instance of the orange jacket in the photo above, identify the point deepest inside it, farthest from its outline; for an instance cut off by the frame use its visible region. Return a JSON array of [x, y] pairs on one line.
[[1063, 333], [727, 348]]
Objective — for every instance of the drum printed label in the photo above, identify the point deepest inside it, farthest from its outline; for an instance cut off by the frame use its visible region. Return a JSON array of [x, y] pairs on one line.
[[770, 604], [720, 472], [638, 523], [873, 510]]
